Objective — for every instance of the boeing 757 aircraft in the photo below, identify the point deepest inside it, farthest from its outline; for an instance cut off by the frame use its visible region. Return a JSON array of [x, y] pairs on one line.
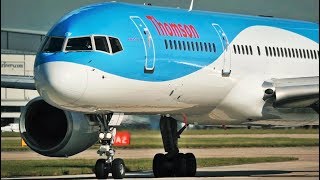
[[104, 61]]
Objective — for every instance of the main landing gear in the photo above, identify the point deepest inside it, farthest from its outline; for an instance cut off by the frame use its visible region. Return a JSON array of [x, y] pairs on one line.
[[107, 163], [173, 163]]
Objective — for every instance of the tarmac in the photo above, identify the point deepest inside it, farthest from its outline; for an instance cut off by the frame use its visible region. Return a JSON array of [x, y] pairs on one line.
[[307, 167]]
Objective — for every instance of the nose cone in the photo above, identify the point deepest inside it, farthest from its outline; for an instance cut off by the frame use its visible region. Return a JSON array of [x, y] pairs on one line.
[[60, 83]]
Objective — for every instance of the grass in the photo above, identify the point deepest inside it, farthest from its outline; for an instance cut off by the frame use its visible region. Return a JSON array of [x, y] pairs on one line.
[[232, 142], [78, 166], [208, 132]]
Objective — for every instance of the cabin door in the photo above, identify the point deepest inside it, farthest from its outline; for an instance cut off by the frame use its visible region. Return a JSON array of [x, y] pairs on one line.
[[144, 31], [226, 70]]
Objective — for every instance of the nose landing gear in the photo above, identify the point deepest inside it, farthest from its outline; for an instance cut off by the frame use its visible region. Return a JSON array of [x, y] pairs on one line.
[[107, 163], [173, 163]]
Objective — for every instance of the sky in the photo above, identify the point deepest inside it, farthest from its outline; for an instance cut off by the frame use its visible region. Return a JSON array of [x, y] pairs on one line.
[[40, 15]]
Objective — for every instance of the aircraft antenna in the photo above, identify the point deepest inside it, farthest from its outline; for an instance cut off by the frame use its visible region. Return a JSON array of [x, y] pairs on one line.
[[191, 6]]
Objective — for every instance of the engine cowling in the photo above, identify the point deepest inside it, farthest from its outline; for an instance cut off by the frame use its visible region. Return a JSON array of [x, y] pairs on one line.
[[53, 132]]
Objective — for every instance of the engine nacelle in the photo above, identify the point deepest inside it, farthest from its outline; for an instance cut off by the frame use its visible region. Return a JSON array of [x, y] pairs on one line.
[[53, 132]]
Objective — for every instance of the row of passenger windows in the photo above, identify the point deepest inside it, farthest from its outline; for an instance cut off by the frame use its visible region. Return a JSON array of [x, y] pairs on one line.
[[190, 46], [102, 43], [277, 52]]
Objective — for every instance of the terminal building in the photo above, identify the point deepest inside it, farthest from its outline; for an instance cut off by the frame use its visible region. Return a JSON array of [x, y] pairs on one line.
[[18, 50]]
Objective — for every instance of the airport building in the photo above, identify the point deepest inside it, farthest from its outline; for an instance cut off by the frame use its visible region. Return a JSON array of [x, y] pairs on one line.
[[18, 49]]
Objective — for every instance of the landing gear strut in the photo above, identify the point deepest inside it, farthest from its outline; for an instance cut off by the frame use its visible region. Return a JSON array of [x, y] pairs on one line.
[[173, 163], [107, 163]]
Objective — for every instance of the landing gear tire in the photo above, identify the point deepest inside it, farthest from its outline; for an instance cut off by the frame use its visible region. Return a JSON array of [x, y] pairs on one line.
[[180, 165], [191, 164], [159, 166], [118, 169], [102, 169]]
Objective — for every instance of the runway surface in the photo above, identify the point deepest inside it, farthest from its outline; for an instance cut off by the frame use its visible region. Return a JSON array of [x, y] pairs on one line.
[[304, 170], [307, 167]]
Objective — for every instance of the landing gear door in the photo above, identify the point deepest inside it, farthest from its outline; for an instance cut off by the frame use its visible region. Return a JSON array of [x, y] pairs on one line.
[[147, 39], [226, 70]]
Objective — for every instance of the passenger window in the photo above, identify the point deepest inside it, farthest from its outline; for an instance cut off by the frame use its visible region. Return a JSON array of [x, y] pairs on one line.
[[297, 53], [175, 44], [274, 51], [258, 48], [293, 54], [214, 47], [184, 45], [179, 43], [304, 53], [197, 46], [192, 44], [289, 52], [301, 56], [166, 43], [315, 54], [267, 53], [270, 50], [53, 44], [278, 51], [188, 46], [286, 52], [170, 42], [101, 43], [242, 47], [250, 48], [311, 54], [210, 49], [234, 49], [247, 50], [201, 47], [239, 52], [79, 44], [206, 47], [308, 55], [282, 54], [115, 45]]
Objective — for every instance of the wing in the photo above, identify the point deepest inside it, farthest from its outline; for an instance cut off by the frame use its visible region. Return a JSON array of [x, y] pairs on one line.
[[293, 92], [17, 82]]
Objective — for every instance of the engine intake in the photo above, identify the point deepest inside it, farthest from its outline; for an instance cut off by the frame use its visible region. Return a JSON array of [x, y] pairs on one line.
[[54, 132]]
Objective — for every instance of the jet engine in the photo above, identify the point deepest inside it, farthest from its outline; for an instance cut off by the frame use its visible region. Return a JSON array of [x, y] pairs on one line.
[[53, 132]]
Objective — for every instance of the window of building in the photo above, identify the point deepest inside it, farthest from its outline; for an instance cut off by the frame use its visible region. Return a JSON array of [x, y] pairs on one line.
[[259, 52], [53, 44], [101, 44], [79, 44]]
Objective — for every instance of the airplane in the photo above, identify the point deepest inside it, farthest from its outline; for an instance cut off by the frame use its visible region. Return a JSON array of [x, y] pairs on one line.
[[107, 60]]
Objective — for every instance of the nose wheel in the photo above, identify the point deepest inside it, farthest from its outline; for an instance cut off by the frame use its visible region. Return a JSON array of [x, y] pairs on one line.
[[107, 164]]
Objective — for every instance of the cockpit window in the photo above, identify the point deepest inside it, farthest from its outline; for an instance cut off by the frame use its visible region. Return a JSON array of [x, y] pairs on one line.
[[79, 44], [115, 45], [53, 44], [101, 43]]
